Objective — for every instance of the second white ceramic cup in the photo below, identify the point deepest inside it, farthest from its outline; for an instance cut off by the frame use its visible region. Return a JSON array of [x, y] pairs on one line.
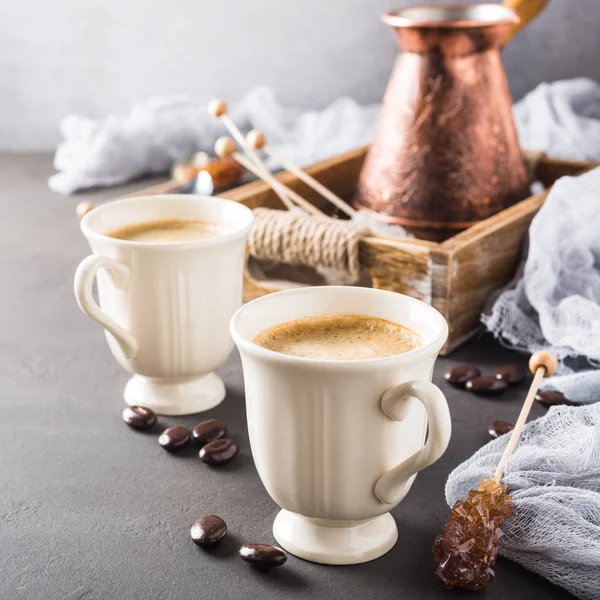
[[338, 444], [166, 307]]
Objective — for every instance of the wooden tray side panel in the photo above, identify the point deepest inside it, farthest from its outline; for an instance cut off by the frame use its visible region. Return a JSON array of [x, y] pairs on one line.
[[440, 282], [481, 261], [550, 169], [400, 267]]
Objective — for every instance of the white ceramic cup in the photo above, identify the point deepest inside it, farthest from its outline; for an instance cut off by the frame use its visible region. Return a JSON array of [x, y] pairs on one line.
[[166, 307], [338, 444]]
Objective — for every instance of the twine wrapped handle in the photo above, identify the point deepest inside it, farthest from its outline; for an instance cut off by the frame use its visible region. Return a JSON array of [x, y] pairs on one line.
[[299, 239]]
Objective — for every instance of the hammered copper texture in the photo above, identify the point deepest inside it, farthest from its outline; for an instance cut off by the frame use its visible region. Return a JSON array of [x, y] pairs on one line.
[[446, 153]]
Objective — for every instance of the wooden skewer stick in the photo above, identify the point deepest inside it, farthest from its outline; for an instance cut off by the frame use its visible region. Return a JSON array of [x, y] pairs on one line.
[[257, 140], [219, 108], [541, 364], [225, 146]]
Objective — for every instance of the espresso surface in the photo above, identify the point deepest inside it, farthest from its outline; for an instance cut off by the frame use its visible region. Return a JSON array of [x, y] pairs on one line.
[[167, 231], [339, 337]]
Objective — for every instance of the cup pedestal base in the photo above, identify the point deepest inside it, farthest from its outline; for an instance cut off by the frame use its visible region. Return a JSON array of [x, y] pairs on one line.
[[184, 398], [348, 545]]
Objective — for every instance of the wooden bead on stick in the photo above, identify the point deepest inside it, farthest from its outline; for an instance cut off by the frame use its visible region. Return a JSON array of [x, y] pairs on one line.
[[545, 360], [184, 173], [256, 139], [217, 107], [83, 208], [225, 146]]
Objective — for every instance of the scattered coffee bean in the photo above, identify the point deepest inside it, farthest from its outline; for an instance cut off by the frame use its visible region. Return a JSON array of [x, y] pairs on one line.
[[174, 437], [210, 430], [218, 452], [512, 373], [552, 398], [498, 428], [139, 417], [83, 208], [486, 385], [262, 556], [461, 374], [208, 530]]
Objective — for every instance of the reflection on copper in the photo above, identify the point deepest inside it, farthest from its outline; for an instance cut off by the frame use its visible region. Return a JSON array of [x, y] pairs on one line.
[[446, 153]]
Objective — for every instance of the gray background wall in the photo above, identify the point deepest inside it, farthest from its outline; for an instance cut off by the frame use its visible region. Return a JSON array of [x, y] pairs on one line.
[[96, 56]]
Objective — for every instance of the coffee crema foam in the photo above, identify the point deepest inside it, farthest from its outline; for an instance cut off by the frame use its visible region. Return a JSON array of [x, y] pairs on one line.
[[339, 337], [167, 231]]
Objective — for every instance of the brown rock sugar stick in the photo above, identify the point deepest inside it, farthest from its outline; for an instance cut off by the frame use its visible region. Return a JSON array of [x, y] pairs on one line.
[[466, 551]]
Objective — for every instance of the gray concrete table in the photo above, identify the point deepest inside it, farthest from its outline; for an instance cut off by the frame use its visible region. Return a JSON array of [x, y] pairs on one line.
[[91, 509]]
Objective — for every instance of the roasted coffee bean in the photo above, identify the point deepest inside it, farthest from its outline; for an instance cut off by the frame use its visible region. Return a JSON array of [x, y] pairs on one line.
[[174, 437], [210, 430], [498, 428], [461, 374], [208, 530], [139, 417], [262, 556], [552, 398], [512, 373], [486, 385], [218, 452]]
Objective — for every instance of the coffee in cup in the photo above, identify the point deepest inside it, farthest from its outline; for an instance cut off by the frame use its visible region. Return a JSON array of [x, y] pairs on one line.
[[169, 270], [339, 337], [167, 231], [339, 429]]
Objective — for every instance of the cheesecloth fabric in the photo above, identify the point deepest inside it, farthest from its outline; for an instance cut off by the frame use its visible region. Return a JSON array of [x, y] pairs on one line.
[[161, 131], [554, 480], [555, 304], [560, 118]]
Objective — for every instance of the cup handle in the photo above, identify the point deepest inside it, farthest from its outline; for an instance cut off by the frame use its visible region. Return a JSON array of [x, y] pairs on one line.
[[84, 279], [391, 486]]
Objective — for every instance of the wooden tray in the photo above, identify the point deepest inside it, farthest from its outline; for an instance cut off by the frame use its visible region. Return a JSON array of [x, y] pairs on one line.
[[455, 276]]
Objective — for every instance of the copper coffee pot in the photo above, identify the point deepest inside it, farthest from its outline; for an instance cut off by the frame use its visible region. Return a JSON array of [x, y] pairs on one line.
[[446, 153]]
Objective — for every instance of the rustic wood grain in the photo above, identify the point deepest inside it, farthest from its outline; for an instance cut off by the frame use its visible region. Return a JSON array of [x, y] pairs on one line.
[[399, 266], [551, 169], [482, 259]]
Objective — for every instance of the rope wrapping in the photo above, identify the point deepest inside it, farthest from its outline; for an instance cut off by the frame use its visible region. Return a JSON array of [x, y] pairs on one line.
[[295, 238], [299, 239]]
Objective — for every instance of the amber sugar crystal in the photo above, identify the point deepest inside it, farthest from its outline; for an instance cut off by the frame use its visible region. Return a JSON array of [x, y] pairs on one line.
[[467, 549]]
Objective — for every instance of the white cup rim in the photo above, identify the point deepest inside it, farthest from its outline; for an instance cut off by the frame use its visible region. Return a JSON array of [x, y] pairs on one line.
[[245, 222], [245, 344]]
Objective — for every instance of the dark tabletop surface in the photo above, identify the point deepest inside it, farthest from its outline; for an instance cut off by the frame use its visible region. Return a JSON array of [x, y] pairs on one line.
[[91, 509]]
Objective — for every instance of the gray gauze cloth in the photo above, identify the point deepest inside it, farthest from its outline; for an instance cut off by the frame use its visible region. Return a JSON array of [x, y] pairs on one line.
[[554, 480], [562, 118], [554, 301], [159, 132], [555, 305]]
